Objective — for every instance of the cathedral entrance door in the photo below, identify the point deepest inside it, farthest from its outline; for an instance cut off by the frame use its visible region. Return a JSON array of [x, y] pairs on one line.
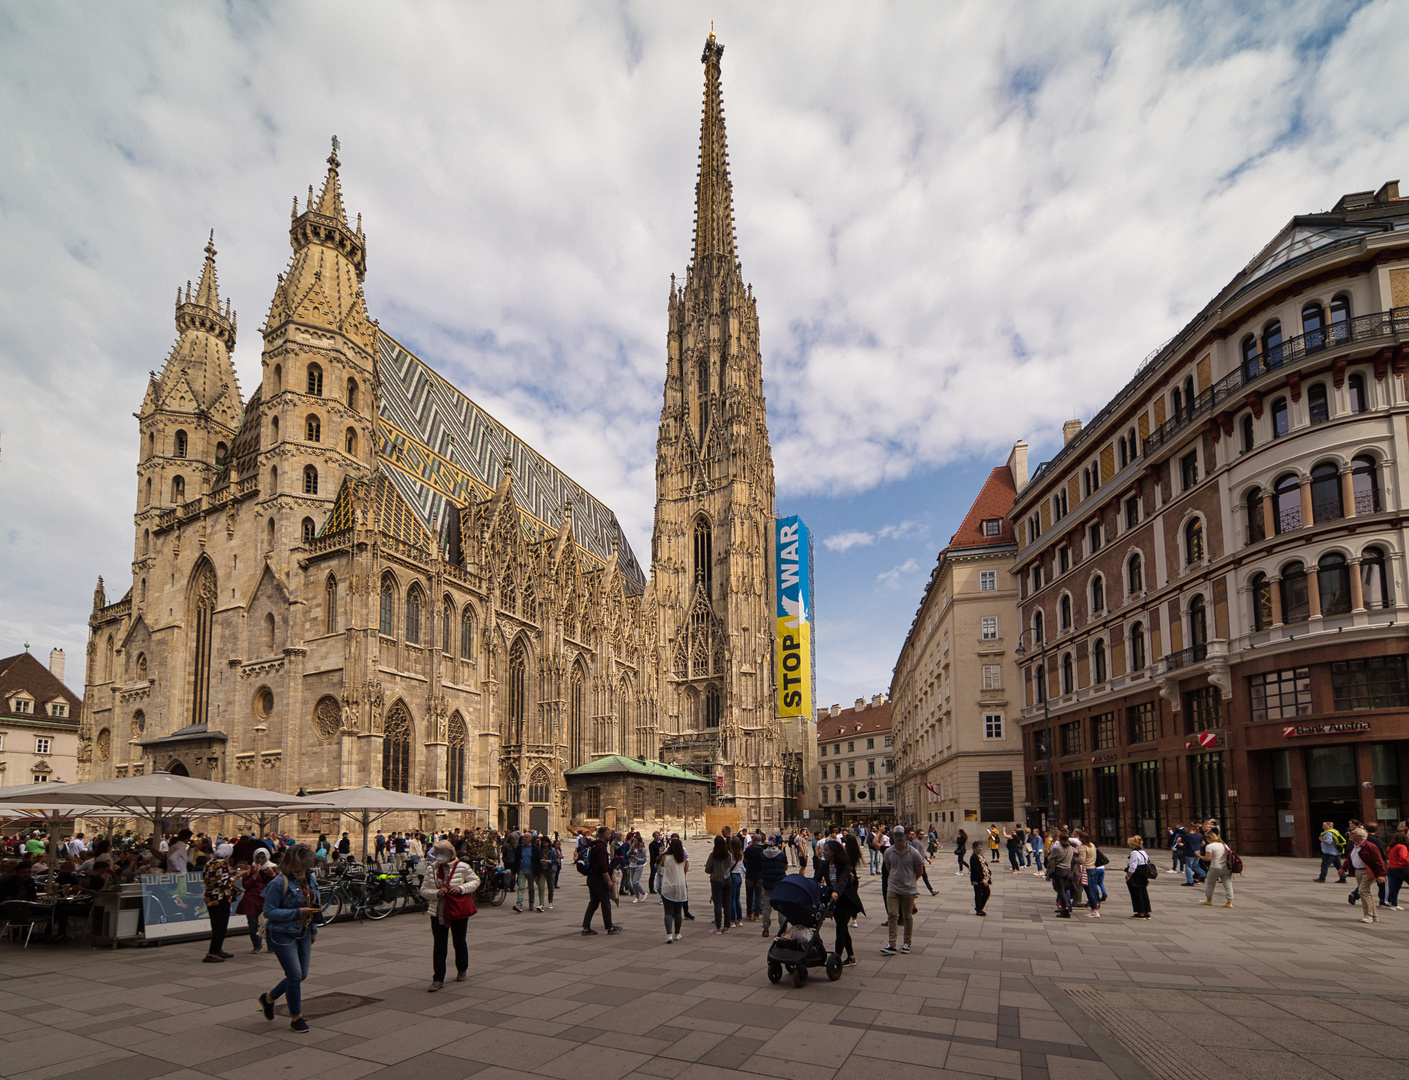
[[538, 818], [609, 817]]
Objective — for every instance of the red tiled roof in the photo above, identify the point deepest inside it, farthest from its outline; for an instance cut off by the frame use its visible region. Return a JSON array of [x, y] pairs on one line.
[[853, 721], [24, 672], [995, 500]]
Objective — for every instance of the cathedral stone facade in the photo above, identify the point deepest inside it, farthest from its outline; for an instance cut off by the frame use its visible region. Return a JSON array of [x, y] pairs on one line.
[[357, 576]]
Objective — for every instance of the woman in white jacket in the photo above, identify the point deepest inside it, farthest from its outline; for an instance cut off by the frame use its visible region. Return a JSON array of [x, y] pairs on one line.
[[447, 877]]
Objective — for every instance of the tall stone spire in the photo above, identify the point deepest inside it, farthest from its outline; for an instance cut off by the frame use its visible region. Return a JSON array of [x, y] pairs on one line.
[[714, 195]]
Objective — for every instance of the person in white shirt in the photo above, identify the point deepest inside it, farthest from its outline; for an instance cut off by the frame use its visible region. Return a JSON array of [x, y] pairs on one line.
[[1215, 858], [77, 848], [179, 853]]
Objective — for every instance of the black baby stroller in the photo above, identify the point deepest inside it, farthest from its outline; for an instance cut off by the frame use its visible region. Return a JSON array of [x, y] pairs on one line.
[[798, 900]]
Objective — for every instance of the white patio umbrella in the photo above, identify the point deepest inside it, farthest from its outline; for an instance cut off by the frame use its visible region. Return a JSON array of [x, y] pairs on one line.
[[50, 816], [369, 804]]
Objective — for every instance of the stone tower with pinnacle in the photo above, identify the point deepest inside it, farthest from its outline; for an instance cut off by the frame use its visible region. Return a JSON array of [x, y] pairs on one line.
[[714, 506]]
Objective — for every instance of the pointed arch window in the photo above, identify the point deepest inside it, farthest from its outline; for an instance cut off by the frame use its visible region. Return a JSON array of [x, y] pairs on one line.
[[388, 609], [711, 707], [704, 556], [221, 453], [352, 394], [467, 633], [180, 444], [457, 737], [310, 480], [702, 395], [447, 627], [518, 678], [313, 429], [269, 631], [396, 750], [315, 380], [538, 785], [330, 605], [204, 591], [178, 490], [575, 696], [309, 531], [414, 605], [350, 442]]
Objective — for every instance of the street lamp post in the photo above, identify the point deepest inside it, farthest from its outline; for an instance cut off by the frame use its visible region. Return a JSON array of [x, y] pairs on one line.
[[1053, 801]]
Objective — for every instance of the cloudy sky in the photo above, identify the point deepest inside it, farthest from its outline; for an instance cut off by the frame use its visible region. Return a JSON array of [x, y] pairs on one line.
[[964, 223]]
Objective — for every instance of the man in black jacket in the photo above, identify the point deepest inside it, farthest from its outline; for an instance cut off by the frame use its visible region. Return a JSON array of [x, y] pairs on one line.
[[753, 876], [599, 889], [653, 850]]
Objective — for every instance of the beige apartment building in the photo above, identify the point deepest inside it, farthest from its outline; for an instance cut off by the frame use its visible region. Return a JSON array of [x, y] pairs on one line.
[[856, 762], [39, 719], [958, 747]]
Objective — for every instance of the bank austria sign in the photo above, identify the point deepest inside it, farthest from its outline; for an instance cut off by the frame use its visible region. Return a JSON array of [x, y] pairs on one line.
[[794, 676]]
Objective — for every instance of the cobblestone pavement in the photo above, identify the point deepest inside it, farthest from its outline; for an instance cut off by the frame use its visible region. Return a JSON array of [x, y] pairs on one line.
[[1285, 985]]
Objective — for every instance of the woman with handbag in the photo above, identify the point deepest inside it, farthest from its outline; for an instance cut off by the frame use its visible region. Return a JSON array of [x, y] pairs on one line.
[[291, 911], [251, 905], [449, 887], [1137, 877], [961, 852]]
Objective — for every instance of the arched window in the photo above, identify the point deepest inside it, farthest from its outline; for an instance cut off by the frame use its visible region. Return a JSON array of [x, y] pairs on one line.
[[1189, 397], [1137, 647], [180, 444], [1326, 493], [201, 604], [1135, 575], [1252, 503], [309, 531], [1318, 409], [352, 394], [269, 534], [1249, 351], [310, 480], [711, 707], [1365, 481], [312, 429], [1098, 594], [518, 678], [1340, 320], [1272, 343], [511, 786], [1198, 627], [1038, 628], [1249, 433], [467, 633], [575, 700], [414, 604], [457, 737], [1313, 327], [1177, 400], [1040, 682], [274, 428], [1098, 661], [141, 667], [1374, 585], [350, 442], [538, 785], [396, 750], [388, 611], [1194, 542], [273, 479], [702, 396], [1262, 613], [447, 627], [1296, 597], [147, 499], [142, 593], [1123, 452], [315, 380], [1355, 387], [330, 605], [1064, 612], [178, 490], [269, 642], [1068, 674], [625, 726], [146, 541], [704, 556], [1281, 422], [1286, 504], [108, 666], [1333, 580], [278, 378], [221, 453]]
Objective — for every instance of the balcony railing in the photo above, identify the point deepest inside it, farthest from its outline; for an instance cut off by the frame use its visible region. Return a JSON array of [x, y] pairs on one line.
[[1374, 327], [1194, 654], [1366, 502]]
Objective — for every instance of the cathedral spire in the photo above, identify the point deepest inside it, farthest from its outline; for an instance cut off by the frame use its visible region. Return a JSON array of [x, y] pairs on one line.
[[714, 195], [330, 199], [200, 311], [208, 292]]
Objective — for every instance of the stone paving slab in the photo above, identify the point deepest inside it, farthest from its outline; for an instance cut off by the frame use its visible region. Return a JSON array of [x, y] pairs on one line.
[[1285, 985]]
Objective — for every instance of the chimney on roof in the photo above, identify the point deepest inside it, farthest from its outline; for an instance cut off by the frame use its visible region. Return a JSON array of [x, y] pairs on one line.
[[1017, 465], [877, 701], [835, 710], [1389, 191], [56, 663], [860, 703], [1070, 430]]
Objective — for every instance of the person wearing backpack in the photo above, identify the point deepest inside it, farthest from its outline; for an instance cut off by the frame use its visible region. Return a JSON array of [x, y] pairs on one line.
[[449, 888], [1215, 859], [291, 911]]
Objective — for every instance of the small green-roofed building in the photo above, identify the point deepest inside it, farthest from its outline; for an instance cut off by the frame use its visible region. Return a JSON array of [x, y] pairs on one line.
[[637, 793]]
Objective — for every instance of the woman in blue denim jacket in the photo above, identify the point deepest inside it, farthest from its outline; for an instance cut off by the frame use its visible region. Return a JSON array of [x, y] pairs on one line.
[[290, 910]]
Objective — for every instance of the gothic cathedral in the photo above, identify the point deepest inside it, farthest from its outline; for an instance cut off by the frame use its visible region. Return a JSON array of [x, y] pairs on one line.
[[358, 576]]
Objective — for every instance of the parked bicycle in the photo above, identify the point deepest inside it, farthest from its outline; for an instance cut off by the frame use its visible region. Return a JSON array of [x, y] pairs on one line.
[[495, 882], [348, 891], [403, 888]]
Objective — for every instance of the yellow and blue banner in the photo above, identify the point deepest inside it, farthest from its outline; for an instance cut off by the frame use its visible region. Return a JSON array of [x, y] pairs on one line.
[[792, 584]]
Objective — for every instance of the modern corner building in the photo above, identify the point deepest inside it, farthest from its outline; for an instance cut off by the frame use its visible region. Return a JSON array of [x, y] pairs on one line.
[[856, 762], [955, 687], [357, 576], [1212, 570]]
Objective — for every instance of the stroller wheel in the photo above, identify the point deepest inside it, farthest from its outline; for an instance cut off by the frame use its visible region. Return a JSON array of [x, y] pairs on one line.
[[775, 971], [834, 967], [800, 976]]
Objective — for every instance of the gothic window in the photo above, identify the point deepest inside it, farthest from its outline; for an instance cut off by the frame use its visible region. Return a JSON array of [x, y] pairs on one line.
[[704, 556], [414, 604], [327, 718], [467, 633], [575, 693], [147, 499], [202, 616], [625, 727], [315, 380], [352, 394], [447, 627], [1261, 602], [273, 479], [350, 442], [142, 592], [108, 661], [396, 750], [330, 606], [180, 444], [529, 603], [711, 707], [278, 378], [269, 535], [312, 429], [141, 667], [178, 490], [309, 531], [310, 480], [269, 632], [274, 428], [538, 785], [518, 677], [702, 396], [388, 611], [458, 738], [221, 453], [507, 592], [104, 744], [139, 723]]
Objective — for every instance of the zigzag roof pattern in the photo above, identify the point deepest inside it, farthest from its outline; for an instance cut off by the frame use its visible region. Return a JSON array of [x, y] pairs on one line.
[[437, 446]]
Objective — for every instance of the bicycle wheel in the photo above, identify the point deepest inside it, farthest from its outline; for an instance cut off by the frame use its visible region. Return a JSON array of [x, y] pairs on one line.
[[330, 900], [375, 905], [496, 892]]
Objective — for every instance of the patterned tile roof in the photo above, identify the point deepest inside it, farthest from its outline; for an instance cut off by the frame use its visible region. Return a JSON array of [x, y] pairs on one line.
[[435, 444]]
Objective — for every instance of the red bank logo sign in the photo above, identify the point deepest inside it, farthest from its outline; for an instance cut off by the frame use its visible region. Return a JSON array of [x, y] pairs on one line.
[[1292, 731]]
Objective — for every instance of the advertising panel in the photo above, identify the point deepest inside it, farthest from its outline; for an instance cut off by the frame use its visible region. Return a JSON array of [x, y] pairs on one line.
[[173, 905], [792, 562]]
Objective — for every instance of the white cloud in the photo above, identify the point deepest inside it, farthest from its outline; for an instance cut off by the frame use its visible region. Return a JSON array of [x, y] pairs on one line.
[[845, 541], [891, 578], [848, 540], [943, 252]]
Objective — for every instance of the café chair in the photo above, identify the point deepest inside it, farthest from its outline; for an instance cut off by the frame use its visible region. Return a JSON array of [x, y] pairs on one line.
[[23, 915]]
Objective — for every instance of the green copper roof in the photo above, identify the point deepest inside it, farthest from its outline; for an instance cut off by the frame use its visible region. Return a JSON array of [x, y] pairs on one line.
[[616, 763]]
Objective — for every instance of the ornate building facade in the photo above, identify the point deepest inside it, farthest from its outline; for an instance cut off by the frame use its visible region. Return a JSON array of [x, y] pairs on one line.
[[358, 576]]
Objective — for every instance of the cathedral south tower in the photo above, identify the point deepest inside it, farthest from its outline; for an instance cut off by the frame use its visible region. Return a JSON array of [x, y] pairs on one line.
[[714, 508]]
